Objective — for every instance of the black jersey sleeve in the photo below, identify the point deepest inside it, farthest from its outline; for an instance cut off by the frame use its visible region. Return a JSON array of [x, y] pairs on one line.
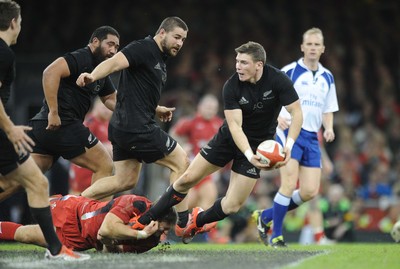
[[135, 52], [229, 94], [7, 68], [287, 93], [78, 62], [7, 71], [72, 63]]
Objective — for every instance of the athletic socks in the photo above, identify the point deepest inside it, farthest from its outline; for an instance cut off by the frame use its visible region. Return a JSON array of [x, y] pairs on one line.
[[183, 218], [212, 214], [318, 234], [267, 215], [8, 229], [43, 218], [280, 208], [170, 198], [295, 201]]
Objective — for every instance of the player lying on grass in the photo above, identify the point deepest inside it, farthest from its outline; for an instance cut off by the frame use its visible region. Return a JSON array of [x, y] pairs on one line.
[[82, 223]]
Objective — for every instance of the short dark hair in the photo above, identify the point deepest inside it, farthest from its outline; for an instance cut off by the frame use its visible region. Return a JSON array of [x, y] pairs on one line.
[[9, 10], [255, 50], [170, 23], [102, 32]]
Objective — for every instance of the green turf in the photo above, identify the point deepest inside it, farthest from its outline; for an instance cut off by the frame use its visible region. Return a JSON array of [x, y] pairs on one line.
[[353, 256], [230, 256]]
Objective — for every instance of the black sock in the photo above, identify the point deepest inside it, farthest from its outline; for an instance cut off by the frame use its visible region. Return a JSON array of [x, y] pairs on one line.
[[170, 198], [212, 214], [45, 221], [183, 218], [292, 205]]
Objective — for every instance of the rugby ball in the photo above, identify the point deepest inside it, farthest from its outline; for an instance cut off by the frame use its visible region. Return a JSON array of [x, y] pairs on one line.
[[270, 152], [395, 233]]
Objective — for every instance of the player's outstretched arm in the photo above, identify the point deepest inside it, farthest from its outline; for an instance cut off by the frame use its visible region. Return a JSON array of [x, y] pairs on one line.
[[105, 68], [113, 228], [164, 113]]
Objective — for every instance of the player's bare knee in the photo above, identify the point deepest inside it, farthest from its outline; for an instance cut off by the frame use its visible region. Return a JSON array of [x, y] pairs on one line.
[[186, 181], [107, 168], [308, 195], [182, 166], [124, 184], [231, 208], [185, 163]]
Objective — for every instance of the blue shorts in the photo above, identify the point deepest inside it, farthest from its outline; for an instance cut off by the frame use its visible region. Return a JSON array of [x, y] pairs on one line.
[[306, 148]]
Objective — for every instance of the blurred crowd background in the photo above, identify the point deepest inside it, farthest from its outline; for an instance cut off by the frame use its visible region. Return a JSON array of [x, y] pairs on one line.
[[362, 39]]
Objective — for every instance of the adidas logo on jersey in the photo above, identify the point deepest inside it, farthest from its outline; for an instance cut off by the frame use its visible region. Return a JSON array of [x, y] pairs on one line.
[[252, 171], [243, 101]]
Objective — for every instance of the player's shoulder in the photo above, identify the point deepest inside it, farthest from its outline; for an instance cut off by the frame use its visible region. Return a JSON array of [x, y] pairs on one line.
[[273, 69], [6, 53], [82, 56], [324, 69], [274, 73], [233, 80], [326, 73], [289, 67], [85, 51], [144, 43]]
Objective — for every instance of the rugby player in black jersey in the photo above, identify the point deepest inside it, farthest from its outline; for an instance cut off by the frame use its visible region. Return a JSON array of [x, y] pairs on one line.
[[58, 128], [16, 165], [253, 98], [133, 131]]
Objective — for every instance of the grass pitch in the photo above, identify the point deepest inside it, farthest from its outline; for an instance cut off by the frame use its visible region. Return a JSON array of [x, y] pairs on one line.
[[209, 256]]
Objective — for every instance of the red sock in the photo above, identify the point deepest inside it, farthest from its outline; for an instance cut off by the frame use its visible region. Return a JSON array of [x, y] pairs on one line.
[[8, 229], [318, 236]]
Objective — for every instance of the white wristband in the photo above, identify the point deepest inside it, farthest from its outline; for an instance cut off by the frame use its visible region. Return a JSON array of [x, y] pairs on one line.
[[249, 154], [141, 235], [289, 143]]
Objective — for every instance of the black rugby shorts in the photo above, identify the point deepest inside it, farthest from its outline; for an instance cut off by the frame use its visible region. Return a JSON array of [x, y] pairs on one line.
[[69, 141], [9, 159], [147, 147], [222, 149]]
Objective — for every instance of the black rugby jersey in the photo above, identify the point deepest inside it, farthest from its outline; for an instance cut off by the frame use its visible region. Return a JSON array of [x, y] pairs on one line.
[[140, 87], [74, 101], [261, 102], [7, 70]]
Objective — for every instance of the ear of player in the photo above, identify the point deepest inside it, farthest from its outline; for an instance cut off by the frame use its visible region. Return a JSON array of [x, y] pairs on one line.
[[270, 152]]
